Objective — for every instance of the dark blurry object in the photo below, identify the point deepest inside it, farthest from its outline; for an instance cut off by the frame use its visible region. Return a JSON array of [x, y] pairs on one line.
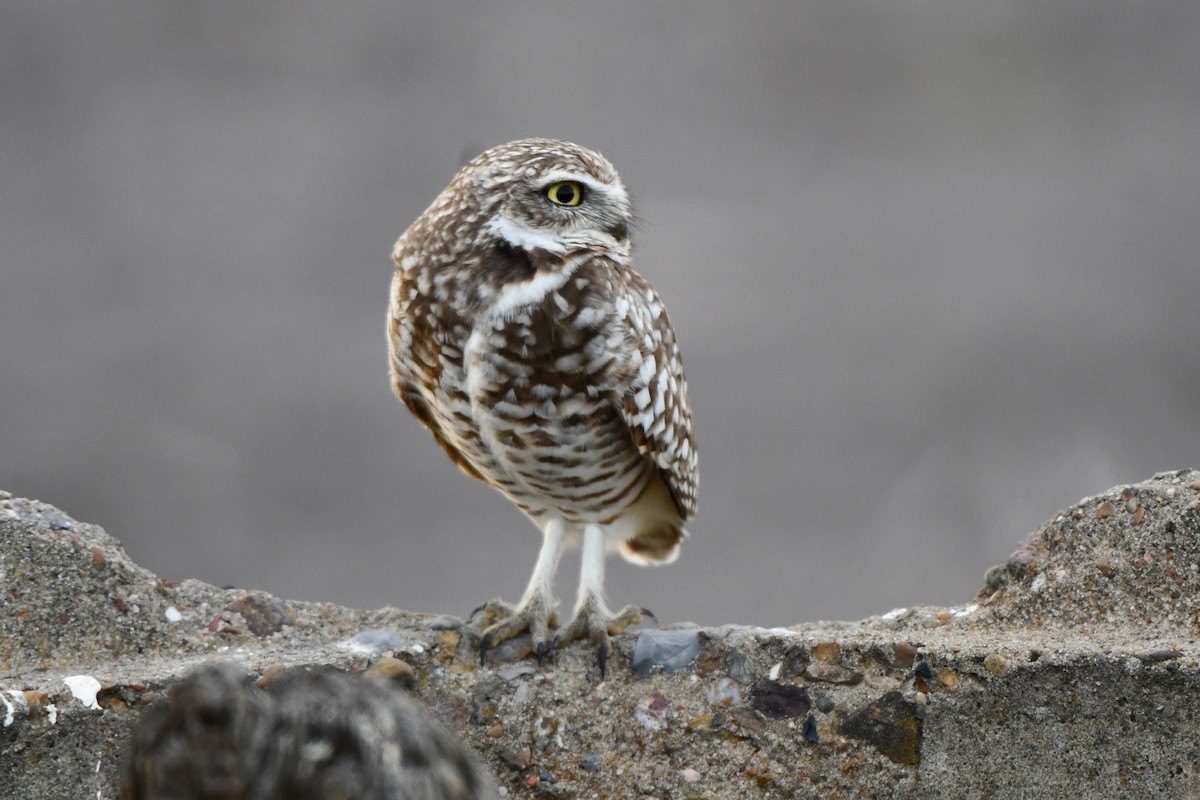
[[305, 736]]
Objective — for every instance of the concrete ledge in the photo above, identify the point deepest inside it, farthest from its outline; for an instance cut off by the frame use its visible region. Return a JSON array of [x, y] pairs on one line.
[[1073, 674]]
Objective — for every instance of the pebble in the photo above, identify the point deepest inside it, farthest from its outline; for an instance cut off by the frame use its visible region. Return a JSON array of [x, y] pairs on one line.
[[590, 762], [61, 524], [810, 730], [747, 720], [780, 700], [393, 669], [794, 661], [516, 759], [517, 648], [172, 614], [725, 693], [947, 678], [738, 667], [651, 712], [670, 650], [903, 654], [995, 663], [832, 673], [264, 614], [690, 775], [828, 652]]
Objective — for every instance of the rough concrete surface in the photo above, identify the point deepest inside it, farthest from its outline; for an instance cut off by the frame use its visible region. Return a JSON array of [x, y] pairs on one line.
[[1074, 673]]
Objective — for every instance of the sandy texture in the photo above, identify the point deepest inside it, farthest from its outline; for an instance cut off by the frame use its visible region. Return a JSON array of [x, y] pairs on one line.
[[1073, 674]]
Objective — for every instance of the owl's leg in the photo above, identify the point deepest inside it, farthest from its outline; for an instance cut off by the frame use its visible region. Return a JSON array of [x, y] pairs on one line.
[[592, 619], [535, 612]]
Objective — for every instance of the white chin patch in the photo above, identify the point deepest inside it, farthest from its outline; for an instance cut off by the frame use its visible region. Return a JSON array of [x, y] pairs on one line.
[[523, 293], [523, 237]]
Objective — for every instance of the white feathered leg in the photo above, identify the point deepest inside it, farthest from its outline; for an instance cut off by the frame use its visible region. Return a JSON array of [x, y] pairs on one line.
[[535, 612], [592, 618]]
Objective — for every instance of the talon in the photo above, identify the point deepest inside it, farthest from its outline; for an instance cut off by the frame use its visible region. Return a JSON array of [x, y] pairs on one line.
[[476, 610], [648, 613], [540, 652], [485, 644], [602, 659]]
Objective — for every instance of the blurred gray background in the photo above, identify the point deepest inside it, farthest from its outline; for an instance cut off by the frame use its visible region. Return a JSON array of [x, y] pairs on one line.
[[935, 268]]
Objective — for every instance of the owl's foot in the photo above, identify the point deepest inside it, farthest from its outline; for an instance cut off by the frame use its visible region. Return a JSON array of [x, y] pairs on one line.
[[595, 622], [493, 610], [537, 617]]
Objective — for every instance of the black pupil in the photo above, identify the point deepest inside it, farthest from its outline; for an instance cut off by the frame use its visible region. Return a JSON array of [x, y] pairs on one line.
[[564, 194]]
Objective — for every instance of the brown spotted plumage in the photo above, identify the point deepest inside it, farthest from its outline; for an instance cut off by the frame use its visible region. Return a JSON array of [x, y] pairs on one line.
[[546, 367]]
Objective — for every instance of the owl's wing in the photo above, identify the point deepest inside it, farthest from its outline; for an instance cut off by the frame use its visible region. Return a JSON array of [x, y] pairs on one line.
[[415, 362], [654, 401]]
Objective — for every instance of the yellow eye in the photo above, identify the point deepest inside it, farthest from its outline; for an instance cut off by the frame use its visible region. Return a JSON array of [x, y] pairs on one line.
[[566, 193]]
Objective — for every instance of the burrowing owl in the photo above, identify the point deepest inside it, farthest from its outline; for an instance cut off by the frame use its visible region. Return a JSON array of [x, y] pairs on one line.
[[546, 367]]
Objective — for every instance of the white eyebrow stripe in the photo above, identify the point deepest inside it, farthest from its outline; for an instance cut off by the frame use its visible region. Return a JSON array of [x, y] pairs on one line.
[[557, 175]]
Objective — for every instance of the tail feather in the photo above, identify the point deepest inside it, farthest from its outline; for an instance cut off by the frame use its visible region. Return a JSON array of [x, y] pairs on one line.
[[654, 546]]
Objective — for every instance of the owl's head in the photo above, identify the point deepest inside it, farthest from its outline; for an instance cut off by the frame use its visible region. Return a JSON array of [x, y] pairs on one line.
[[550, 195]]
